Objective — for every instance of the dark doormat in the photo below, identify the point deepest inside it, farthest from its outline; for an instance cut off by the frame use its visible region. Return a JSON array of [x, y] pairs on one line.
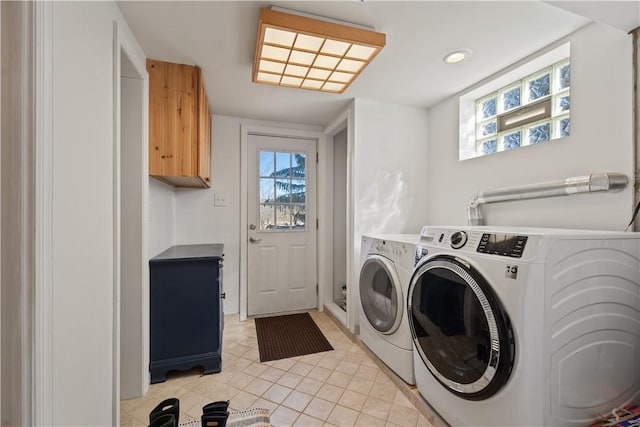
[[291, 335]]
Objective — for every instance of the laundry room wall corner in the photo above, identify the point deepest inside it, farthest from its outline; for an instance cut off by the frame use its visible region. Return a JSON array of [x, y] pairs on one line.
[[389, 161], [600, 141]]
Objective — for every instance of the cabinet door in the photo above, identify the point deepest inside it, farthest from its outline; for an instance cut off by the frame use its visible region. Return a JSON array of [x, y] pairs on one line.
[[204, 133], [172, 119], [184, 310]]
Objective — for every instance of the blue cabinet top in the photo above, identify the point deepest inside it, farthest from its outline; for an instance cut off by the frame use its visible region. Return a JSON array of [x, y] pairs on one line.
[[214, 250]]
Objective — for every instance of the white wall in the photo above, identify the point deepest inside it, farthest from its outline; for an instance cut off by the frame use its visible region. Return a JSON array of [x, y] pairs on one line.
[[600, 141], [339, 213], [83, 212], [389, 163], [199, 221], [162, 216]]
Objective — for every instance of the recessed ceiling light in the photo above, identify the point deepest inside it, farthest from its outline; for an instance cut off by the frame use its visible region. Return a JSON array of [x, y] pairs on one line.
[[456, 57]]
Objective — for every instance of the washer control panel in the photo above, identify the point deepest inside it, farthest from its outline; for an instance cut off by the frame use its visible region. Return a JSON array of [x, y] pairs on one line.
[[472, 240]]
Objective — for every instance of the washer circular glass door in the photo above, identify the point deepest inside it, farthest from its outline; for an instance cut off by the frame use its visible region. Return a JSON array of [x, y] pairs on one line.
[[459, 328], [380, 294]]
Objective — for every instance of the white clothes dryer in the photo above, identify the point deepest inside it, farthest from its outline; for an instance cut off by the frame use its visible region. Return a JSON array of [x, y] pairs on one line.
[[526, 327], [387, 264]]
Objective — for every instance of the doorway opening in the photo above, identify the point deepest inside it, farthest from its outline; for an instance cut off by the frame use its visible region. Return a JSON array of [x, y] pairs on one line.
[[336, 239], [131, 202], [340, 219]]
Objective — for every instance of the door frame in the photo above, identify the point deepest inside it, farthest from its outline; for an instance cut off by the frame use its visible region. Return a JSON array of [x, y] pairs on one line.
[[134, 144], [124, 43], [345, 120], [27, 267], [245, 131]]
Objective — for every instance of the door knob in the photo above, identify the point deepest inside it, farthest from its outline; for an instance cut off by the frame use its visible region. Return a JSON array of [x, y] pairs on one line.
[[252, 240]]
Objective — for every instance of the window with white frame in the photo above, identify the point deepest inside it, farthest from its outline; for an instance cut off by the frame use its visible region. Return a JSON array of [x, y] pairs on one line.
[[524, 104], [528, 111]]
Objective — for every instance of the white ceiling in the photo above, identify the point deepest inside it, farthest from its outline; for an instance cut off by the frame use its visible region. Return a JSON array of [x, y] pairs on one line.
[[219, 36]]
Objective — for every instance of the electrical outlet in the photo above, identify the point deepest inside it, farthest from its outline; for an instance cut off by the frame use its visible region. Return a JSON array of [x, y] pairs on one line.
[[220, 200]]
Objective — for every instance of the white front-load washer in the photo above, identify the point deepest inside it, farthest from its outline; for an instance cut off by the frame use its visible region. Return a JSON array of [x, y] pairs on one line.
[[526, 327], [387, 264]]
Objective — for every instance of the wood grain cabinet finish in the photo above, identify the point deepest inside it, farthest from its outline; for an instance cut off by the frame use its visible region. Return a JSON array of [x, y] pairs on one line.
[[179, 125]]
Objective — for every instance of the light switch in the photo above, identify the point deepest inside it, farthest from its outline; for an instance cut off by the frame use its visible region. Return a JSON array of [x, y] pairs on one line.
[[220, 199]]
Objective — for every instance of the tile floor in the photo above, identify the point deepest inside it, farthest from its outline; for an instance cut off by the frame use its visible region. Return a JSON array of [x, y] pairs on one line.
[[343, 387]]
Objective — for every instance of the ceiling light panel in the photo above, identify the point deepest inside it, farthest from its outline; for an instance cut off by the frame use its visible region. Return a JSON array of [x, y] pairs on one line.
[[300, 51]]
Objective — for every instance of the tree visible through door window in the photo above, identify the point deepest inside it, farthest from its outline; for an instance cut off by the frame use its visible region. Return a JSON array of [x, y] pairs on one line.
[[282, 191]]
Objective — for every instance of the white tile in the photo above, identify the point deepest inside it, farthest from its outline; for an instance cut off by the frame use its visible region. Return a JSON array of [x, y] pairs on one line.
[[284, 364], [342, 416], [365, 420], [309, 386], [377, 408], [352, 399], [403, 416], [258, 386], [301, 368], [283, 416], [360, 385], [319, 373], [297, 400], [342, 387], [243, 400], [319, 408], [276, 393], [305, 420], [339, 378], [272, 374], [330, 392], [290, 380]]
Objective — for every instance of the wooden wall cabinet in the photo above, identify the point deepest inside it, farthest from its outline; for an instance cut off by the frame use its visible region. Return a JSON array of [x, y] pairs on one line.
[[179, 125]]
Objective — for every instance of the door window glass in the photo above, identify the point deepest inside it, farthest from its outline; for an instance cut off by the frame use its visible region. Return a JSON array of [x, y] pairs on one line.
[[282, 196], [378, 296], [450, 326]]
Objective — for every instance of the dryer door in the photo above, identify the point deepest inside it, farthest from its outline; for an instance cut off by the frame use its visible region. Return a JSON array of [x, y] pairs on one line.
[[459, 328], [381, 294]]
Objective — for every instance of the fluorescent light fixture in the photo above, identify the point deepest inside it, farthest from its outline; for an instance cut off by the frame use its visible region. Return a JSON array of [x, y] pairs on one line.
[[456, 57], [298, 50]]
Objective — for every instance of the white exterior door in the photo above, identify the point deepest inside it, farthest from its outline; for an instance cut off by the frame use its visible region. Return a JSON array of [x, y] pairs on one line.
[[281, 257]]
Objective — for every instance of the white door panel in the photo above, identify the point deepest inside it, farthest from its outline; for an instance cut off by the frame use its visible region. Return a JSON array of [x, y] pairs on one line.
[[281, 217]]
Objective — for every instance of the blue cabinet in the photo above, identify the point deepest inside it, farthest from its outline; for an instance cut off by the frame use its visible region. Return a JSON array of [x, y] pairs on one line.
[[186, 311]]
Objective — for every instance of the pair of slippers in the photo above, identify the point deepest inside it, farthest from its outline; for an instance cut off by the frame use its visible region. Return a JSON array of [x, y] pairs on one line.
[[167, 413], [215, 414]]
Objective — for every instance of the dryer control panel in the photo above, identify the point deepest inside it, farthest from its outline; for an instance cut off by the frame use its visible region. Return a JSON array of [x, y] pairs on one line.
[[399, 252]]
